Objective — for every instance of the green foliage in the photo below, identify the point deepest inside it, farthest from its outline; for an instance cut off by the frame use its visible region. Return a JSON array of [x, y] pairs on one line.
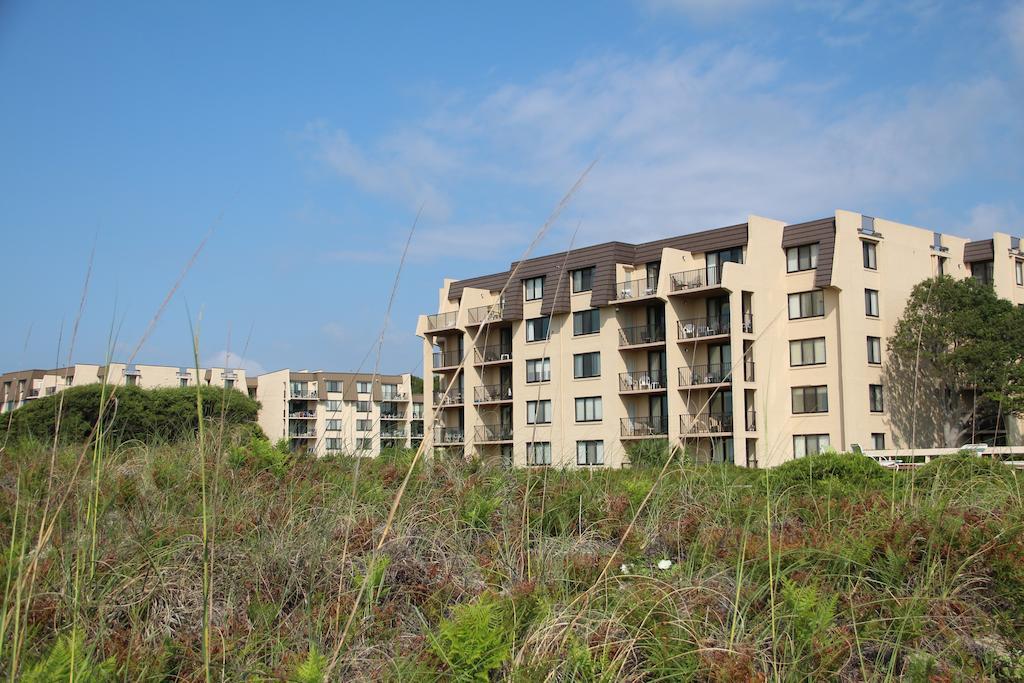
[[134, 414], [473, 642], [262, 456], [478, 507], [957, 355], [811, 613], [68, 660], [961, 469], [416, 384], [830, 468], [312, 669], [648, 452]]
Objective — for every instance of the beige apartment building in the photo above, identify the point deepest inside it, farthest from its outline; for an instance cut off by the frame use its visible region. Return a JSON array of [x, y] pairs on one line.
[[754, 343], [19, 387], [339, 412]]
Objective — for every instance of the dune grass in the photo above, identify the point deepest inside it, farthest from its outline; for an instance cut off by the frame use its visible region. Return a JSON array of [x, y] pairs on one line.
[[826, 568]]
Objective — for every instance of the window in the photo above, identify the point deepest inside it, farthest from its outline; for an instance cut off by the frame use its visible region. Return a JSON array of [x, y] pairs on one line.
[[183, 382], [807, 304], [809, 444], [334, 386], [875, 398], [871, 302], [538, 453], [538, 412], [807, 352], [362, 406], [364, 425], [802, 258], [878, 441], [875, 350], [589, 409], [590, 452], [870, 255], [363, 387], [364, 444], [583, 280], [1019, 266], [131, 380], [942, 266], [334, 425], [586, 322], [229, 384], [586, 364], [538, 370], [537, 329], [534, 288], [810, 400], [332, 444], [333, 406], [982, 272]]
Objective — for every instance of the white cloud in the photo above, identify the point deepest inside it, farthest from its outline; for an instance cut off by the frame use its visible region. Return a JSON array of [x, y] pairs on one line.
[[398, 169], [335, 331], [708, 10], [984, 219], [230, 359]]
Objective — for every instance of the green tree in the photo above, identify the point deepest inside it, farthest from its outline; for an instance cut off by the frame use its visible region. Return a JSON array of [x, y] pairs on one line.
[[955, 364]]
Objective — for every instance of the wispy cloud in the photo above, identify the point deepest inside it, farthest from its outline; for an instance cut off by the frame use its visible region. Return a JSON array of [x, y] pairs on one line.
[[1013, 26], [229, 359]]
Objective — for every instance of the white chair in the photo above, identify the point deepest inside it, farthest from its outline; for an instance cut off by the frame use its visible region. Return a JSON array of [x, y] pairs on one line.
[[688, 330]]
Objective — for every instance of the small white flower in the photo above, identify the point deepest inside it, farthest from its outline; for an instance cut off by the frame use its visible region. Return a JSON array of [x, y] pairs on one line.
[[665, 564], [625, 568]]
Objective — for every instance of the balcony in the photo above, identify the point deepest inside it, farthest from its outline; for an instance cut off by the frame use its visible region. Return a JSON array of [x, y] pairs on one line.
[[693, 281], [394, 396], [392, 415], [483, 315], [446, 360], [302, 434], [644, 427], [700, 328], [302, 394], [302, 415], [449, 436], [493, 433], [641, 336], [452, 399], [635, 290], [442, 321], [492, 393], [392, 433], [713, 374], [641, 382], [705, 423], [498, 353]]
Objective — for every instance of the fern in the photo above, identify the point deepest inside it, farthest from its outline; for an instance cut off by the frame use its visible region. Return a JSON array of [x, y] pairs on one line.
[[66, 656], [312, 669], [473, 641]]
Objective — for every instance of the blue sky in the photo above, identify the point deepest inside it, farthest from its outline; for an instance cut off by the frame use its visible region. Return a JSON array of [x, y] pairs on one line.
[[307, 135]]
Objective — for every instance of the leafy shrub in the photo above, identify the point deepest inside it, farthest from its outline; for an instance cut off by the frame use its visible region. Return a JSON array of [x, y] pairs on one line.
[[134, 413], [961, 468], [312, 669], [833, 468], [478, 507], [648, 452], [57, 664], [811, 613], [472, 642]]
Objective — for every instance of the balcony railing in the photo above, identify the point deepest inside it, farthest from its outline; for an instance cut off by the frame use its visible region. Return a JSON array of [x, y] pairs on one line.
[[303, 394], [748, 323], [635, 289], [481, 315], [392, 415], [642, 380], [641, 334], [392, 433], [448, 435], [447, 359], [394, 396], [492, 393], [695, 279], [302, 415], [493, 354], [656, 425], [713, 373], [695, 328], [493, 432], [442, 321], [705, 423], [453, 398], [300, 434]]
